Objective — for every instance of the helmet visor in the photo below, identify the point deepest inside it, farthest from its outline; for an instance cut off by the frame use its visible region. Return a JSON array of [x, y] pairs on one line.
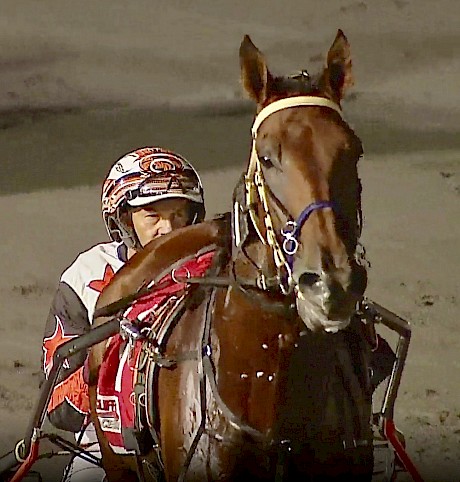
[[171, 185]]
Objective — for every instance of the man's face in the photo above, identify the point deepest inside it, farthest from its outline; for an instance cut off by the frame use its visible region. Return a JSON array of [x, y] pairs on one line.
[[159, 218]]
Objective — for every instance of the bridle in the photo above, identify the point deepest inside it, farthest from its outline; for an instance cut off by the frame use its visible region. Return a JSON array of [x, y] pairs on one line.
[[257, 190], [256, 193]]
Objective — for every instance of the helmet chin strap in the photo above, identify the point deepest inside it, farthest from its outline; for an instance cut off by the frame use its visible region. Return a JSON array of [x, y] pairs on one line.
[[133, 239], [137, 246], [126, 233]]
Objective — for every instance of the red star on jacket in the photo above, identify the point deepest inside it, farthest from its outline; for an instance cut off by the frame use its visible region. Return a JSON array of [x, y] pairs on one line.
[[100, 284], [51, 343]]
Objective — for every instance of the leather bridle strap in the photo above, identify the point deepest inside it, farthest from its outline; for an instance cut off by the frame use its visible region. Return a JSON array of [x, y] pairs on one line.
[[297, 101], [292, 229], [257, 189]]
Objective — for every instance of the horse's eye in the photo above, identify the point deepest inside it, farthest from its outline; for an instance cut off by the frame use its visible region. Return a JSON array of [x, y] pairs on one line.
[[266, 161]]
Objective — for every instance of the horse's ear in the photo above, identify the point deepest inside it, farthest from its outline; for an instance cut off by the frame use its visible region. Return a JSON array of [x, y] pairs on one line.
[[255, 76], [338, 76]]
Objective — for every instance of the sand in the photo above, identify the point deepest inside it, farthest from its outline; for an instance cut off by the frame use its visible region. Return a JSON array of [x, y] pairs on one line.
[[83, 82]]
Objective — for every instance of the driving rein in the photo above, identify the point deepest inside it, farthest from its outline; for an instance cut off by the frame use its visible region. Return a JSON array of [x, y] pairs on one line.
[[255, 189]]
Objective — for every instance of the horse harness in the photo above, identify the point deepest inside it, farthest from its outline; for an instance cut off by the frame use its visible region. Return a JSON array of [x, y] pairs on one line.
[[257, 193], [152, 358], [252, 188]]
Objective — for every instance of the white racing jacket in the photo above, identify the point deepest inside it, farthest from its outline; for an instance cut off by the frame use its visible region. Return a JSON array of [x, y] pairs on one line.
[[71, 314]]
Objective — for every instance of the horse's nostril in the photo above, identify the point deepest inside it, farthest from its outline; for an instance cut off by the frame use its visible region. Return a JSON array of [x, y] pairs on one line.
[[309, 279]]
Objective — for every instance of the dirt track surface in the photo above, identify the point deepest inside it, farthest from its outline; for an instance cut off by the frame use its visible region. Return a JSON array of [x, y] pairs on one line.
[[81, 83]]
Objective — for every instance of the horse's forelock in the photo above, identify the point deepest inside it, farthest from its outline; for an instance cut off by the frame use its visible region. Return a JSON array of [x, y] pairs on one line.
[[298, 84]]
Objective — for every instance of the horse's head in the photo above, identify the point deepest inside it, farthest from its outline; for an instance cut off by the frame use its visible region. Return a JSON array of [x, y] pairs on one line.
[[302, 184]]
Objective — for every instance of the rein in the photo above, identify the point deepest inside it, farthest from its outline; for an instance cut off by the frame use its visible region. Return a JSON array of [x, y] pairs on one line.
[[207, 373], [257, 189]]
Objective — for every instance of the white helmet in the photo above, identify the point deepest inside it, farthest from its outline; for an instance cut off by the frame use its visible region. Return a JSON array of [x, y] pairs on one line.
[[142, 177]]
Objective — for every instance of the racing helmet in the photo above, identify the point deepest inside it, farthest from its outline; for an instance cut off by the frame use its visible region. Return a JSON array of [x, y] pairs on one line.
[[142, 177]]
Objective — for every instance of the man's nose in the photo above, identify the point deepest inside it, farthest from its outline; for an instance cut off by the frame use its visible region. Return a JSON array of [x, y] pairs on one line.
[[164, 226]]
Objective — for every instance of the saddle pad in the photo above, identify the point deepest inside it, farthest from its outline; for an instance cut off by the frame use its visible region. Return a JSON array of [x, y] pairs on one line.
[[118, 373]]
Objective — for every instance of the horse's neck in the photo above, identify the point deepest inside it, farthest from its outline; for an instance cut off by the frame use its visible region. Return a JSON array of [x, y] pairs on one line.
[[254, 259], [160, 255]]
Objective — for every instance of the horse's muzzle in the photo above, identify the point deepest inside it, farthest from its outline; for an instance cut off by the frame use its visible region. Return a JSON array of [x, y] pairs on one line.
[[327, 301]]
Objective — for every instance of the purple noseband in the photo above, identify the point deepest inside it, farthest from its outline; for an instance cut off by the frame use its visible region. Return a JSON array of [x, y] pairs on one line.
[[292, 229]]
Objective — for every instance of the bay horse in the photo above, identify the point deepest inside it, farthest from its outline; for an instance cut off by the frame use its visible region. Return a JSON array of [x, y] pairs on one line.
[[269, 373]]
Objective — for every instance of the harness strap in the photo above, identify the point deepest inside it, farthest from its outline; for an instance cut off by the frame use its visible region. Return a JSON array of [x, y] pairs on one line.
[[208, 375], [256, 187], [201, 428], [234, 421], [297, 101]]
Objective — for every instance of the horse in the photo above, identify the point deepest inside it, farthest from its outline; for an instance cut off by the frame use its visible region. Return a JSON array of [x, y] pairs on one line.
[[267, 369]]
